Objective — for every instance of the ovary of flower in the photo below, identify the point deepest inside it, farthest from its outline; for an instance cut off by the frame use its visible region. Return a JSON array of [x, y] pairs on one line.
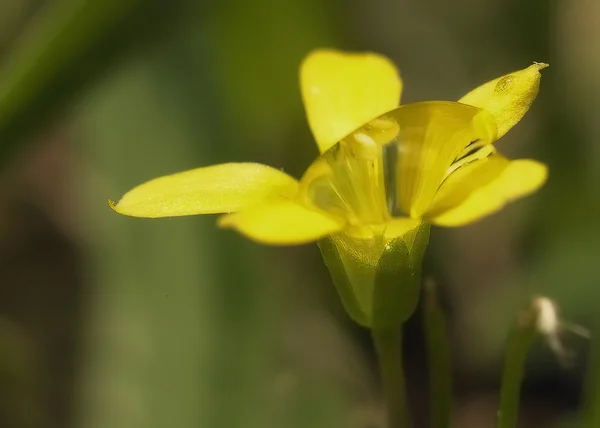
[[383, 169]]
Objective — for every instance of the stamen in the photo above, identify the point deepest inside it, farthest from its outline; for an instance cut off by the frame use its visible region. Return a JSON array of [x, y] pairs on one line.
[[348, 180], [364, 139], [366, 148], [390, 178], [475, 145], [481, 153]]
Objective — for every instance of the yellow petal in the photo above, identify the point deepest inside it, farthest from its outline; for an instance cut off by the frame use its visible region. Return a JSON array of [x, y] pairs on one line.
[[282, 223], [464, 181], [514, 180], [221, 188], [344, 91], [508, 97]]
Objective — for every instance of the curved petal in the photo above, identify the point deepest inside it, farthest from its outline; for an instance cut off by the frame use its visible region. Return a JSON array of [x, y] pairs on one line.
[[513, 180], [343, 91], [432, 136], [221, 188], [282, 223], [508, 97], [464, 181]]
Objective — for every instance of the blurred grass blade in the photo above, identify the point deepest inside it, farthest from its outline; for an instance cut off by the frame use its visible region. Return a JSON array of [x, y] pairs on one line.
[[183, 318], [64, 46], [521, 337], [440, 372], [592, 399]]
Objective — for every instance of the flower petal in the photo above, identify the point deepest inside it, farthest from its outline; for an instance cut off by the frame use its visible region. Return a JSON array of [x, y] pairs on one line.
[[500, 182], [343, 91], [221, 188], [282, 223], [464, 181], [432, 135], [508, 97]]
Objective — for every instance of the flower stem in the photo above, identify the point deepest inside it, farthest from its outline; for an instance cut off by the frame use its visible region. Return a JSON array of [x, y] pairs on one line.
[[388, 343], [520, 339], [592, 399], [438, 350]]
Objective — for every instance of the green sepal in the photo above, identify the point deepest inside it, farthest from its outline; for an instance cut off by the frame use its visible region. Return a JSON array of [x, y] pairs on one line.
[[377, 292], [396, 287], [341, 280], [397, 282], [417, 241]]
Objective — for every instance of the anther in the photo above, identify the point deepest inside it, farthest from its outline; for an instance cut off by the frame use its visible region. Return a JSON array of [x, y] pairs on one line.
[[366, 148]]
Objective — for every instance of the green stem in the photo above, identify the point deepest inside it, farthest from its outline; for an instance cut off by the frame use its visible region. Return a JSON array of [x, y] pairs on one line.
[[592, 399], [388, 343], [520, 339], [438, 353]]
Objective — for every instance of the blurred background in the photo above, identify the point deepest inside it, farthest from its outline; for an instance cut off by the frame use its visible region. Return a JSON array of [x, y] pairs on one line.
[[107, 321]]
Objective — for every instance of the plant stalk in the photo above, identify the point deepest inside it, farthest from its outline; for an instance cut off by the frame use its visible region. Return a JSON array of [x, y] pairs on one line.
[[388, 343], [438, 354], [520, 339]]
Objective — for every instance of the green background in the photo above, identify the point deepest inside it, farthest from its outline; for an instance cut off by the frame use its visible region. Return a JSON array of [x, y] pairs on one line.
[[107, 321]]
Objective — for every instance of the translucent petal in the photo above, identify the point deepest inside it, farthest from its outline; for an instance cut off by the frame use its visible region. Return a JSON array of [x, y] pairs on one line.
[[502, 182], [221, 188], [508, 97], [431, 138], [348, 181], [393, 165], [343, 91], [282, 223]]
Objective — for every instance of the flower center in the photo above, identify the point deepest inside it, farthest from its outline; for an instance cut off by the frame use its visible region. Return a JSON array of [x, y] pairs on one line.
[[349, 180], [394, 165]]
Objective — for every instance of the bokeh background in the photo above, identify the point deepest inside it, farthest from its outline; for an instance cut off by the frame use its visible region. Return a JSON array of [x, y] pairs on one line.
[[107, 321]]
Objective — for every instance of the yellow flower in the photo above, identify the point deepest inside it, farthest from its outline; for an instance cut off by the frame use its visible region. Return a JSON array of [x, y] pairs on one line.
[[385, 172], [393, 167]]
